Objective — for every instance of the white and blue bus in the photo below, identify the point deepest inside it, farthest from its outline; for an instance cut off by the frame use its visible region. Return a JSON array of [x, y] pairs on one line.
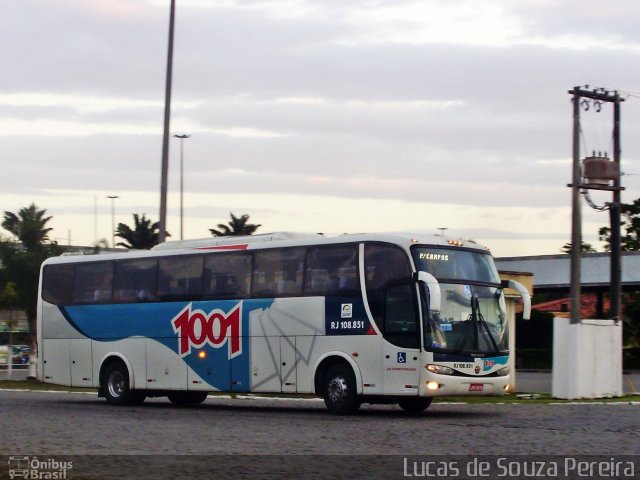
[[371, 318]]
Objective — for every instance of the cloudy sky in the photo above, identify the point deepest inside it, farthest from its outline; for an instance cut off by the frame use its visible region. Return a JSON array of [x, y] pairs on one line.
[[316, 115]]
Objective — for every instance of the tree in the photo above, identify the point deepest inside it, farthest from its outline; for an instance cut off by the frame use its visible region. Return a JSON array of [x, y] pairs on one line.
[[143, 236], [9, 301], [584, 248], [629, 241], [630, 225], [631, 318], [21, 260], [237, 226], [29, 225]]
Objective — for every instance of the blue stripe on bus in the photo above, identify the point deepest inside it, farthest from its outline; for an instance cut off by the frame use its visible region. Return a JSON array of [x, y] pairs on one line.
[[154, 321]]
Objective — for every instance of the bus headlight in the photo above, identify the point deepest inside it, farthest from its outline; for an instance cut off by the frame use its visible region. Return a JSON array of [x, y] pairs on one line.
[[439, 369], [503, 372]]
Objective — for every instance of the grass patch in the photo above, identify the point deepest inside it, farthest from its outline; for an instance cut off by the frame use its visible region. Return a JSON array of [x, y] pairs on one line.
[[536, 398], [40, 386]]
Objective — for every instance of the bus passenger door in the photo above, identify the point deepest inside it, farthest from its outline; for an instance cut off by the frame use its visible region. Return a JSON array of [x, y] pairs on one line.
[[288, 377], [401, 370], [401, 350]]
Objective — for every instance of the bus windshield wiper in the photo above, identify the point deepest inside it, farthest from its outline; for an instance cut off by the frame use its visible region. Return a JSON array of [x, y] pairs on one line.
[[480, 322]]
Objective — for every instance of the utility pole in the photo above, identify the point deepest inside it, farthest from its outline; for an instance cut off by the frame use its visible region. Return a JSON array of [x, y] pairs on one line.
[[614, 212], [576, 221], [597, 175]]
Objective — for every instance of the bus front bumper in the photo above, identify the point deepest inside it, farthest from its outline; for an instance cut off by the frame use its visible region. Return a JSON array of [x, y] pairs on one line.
[[451, 385]]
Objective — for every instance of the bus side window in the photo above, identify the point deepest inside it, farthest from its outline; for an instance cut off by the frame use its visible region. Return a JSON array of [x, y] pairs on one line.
[[57, 284], [386, 266], [93, 282], [332, 270], [180, 277], [401, 318], [278, 272], [227, 275], [135, 280]]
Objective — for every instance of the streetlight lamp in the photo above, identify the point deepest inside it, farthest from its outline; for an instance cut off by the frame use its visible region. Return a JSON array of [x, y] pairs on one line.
[[181, 137], [113, 220]]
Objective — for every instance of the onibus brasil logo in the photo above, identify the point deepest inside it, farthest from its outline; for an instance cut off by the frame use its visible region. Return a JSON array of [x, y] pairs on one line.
[[34, 468], [196, 328]]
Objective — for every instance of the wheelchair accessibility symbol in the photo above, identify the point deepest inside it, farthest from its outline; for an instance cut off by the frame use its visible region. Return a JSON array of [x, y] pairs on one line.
[[402, 357]]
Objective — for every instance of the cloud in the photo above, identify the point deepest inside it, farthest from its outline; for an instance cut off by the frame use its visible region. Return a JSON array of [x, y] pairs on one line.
[[452, 103]]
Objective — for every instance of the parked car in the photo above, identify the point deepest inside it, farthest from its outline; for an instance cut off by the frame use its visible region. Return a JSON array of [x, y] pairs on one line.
[[21, 354]]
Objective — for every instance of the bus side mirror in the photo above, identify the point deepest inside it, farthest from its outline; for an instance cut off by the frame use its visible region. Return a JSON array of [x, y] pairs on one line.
[[433, 289], [524, 293]]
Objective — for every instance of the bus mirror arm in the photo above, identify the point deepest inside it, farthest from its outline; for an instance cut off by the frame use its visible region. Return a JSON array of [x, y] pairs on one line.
[[524, 293], [433, 287]]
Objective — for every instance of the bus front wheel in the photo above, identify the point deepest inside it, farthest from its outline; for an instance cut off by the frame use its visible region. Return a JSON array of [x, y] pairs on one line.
[[415, 404], [340, 394]]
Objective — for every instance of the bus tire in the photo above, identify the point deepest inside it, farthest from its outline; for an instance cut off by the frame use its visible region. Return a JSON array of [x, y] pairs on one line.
[[116, 386], [415, 404], [340, 393], [187, 398]]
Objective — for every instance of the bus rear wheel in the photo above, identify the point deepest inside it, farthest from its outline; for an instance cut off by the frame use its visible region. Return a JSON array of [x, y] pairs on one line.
[[187, 398], [340, 394], [116, 386], [415, 404]]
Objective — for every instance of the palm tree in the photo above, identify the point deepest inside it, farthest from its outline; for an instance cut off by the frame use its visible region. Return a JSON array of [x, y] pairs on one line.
[[143, 236], [237, 226], [29, 225], [584, 248], [20, 262]]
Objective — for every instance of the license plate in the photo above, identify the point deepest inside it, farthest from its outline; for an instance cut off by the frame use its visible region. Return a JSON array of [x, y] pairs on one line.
[[476, 387]]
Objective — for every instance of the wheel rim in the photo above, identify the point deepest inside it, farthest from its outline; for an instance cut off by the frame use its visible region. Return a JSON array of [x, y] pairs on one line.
[[116, 384], [337, 389]]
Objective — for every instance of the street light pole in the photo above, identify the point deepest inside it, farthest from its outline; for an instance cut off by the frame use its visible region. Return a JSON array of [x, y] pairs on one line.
[[113, 220], [182, 137], [164, 173]]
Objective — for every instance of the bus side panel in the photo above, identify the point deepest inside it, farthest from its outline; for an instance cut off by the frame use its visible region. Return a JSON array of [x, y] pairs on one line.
[[215, 377], [288, 357], [56, 325], [265, 360], [81, 362], [370, 363], [284, 333], [58, 336], [165, 369], [306, 361], [56, 361]]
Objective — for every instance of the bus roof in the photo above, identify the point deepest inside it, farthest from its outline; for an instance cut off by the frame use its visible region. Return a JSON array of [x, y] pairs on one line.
[[276, 239], [203, 243], [284, 239]]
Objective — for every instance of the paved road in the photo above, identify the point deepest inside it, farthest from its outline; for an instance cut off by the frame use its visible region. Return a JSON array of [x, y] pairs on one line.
[[57, 425], [63, 423]]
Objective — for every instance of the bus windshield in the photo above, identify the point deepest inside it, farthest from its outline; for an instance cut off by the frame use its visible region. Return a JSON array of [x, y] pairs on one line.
[[457, 265], [472, 317]]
